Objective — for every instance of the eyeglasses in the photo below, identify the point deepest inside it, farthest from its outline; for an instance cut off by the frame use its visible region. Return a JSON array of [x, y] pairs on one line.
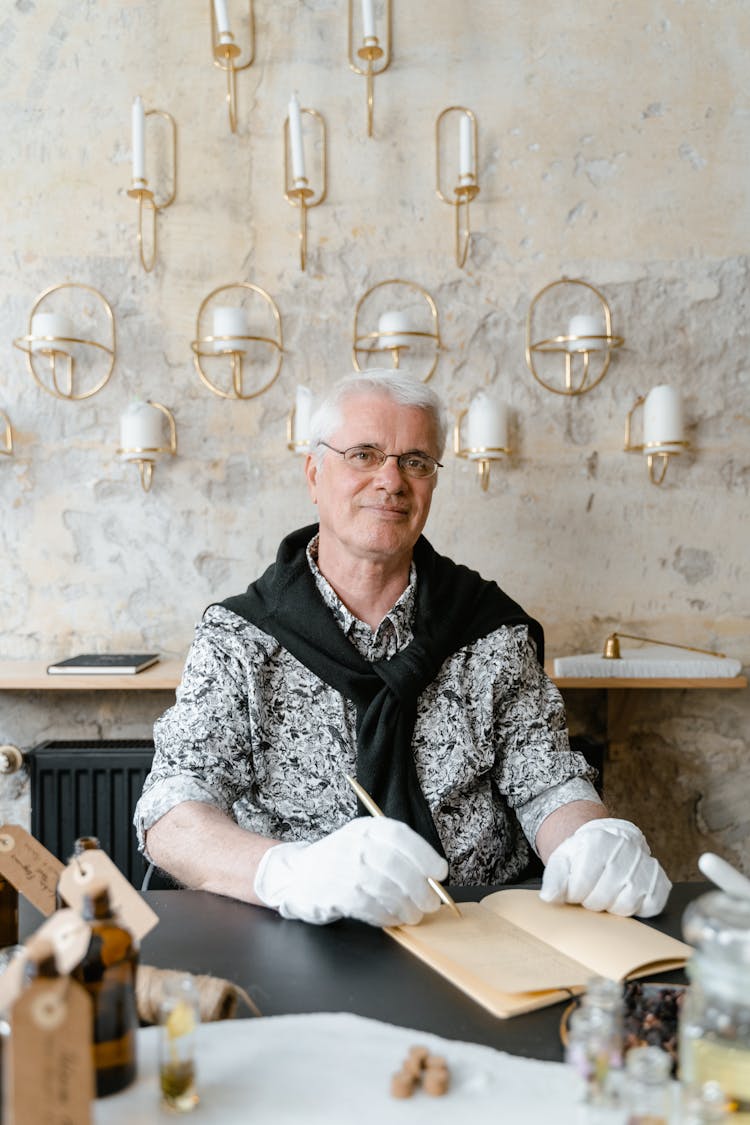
[[368, 459]]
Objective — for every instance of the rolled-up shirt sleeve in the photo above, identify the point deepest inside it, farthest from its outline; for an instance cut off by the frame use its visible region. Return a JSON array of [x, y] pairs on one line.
[[202, 748], [536, 770]]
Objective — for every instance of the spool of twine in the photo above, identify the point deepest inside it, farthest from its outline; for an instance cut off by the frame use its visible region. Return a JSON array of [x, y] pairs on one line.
[[219, 999]]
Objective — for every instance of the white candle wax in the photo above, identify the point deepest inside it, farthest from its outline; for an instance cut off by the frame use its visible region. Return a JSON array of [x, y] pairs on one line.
[[231, 322], [138, 118], [390, 325], [586, 327], [486, 426], [295, 139], [663, 420], [466, 147], [222, 21], [141, 428], [303, 411], [52, 324], [368, 20]]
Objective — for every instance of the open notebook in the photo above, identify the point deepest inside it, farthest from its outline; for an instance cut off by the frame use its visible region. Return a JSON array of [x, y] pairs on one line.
[[513, 953]]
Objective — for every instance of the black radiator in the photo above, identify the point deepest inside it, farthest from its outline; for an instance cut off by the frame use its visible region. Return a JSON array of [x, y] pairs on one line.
[[82, 788]]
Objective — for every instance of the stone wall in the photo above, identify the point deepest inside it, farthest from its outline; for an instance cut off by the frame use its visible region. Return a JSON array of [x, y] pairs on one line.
[[613, 142]]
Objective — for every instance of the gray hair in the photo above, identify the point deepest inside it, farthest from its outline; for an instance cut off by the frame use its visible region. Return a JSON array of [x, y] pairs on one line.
[[399, 386]]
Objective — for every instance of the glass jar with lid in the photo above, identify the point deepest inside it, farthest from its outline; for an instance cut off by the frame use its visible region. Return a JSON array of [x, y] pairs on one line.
[[715, 1017]]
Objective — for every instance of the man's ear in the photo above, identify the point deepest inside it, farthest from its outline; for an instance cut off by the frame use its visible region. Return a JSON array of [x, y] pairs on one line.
[[311, 472]]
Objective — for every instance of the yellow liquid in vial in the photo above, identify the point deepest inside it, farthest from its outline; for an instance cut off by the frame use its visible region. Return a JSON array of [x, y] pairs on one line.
[[729, 1066]]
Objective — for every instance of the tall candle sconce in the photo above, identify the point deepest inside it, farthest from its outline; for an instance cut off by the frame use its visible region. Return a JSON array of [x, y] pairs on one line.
[[663, 429], [139, 188], [467, 185], [231, 337], [396, 331], [375, 57], [142, 437], [59, 338], [586, 335], [297, 188], [298, 421], [485, 437], [226, 52], [7, 431]]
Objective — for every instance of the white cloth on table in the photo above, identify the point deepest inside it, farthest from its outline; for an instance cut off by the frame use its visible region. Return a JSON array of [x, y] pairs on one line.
[[335, 1069], [650, 662]]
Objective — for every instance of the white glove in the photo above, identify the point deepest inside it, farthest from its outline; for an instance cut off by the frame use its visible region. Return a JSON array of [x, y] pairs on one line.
[[373, 868], [606, 865]]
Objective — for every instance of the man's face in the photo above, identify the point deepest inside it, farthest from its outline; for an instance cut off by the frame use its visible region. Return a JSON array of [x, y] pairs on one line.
[[378, 515]]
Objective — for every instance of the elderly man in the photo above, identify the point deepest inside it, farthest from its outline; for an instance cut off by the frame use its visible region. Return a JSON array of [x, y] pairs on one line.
[[362, 651]]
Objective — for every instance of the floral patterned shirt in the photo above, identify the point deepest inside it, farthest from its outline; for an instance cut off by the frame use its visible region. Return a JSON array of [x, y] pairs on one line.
[[258, 735]]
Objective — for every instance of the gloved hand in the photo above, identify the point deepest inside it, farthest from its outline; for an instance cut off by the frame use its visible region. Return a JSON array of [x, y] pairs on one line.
[[606, 865], [373, 868]]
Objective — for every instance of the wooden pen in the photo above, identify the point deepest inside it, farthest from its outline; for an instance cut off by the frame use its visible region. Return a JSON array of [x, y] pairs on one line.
[[375, 810]]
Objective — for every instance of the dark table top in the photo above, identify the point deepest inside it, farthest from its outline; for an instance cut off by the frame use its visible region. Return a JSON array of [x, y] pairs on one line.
[[291, 967]]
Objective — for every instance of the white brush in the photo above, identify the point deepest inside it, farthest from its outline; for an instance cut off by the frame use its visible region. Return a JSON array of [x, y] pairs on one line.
[[726, 877]]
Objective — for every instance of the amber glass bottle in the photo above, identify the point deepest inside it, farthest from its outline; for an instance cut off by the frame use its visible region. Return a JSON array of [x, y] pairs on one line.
[[8, 914], [107, 972], [81, 845]]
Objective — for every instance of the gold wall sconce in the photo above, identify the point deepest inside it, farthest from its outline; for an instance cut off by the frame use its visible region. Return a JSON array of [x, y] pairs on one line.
[[371, 52], [298, 421], [485, 438], [587, 335], [7, 431], [612, 646], [663, 429], [226, 52], [297, 188], [231, 338], [467, 184], [60, 338], [139, 188], [142, 437], [397, 328]]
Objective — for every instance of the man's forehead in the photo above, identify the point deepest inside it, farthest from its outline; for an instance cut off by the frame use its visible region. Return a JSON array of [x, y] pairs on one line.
[[371, 410]]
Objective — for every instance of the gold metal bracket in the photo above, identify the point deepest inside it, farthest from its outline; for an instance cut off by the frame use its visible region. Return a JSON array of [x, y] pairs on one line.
[[370, 52], [7, 446], [369, 343], [147, 455], [658, 460], [465, 189], [146, 200], [203, 346], [225, 56], [298, 191], [484, 455]]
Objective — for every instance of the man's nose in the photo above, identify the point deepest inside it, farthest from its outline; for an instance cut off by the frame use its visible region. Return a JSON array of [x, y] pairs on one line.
[[389, 475]]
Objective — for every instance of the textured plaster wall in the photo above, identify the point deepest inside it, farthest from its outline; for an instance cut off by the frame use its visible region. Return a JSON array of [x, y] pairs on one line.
[[613, 142]]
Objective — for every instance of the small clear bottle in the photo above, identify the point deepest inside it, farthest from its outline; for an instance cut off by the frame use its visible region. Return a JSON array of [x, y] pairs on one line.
[[704, 1106], [179, 1018], [715, 1016], [648, 1091], [588, 1052], [607, 996]]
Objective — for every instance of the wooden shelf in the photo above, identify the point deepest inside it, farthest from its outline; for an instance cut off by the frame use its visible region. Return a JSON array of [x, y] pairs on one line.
[[613, 683], [32, 675]]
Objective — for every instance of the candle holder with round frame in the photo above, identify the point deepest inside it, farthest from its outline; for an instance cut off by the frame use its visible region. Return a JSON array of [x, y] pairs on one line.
[[53, 351], [7, 446], [292, 445], [609, 342], [147, 455], [484, 455], [657, 459], [369, 342], [225, 56], [298, 191], [466, 188], [200, 350], [370, 52], [140, 190]]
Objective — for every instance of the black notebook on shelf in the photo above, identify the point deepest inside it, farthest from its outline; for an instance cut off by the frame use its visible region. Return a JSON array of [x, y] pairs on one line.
[[94, 663]]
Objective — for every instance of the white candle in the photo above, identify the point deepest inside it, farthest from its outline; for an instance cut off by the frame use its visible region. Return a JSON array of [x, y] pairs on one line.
[[51, 324], [141, 428], [587, 328], [368, 20], [390, 325], [303, 411], [663, 421], [466, 147], [138, 118], [222, 21], [295, 139], [231, 322], [486, 426]]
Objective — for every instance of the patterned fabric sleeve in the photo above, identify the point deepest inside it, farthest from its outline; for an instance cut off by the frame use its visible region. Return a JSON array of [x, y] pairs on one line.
[[202, 750]]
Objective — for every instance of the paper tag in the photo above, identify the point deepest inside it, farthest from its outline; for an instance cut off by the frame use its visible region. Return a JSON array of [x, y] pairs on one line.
[[29, 866], [94, 868], [51, 1068], [69, 936]]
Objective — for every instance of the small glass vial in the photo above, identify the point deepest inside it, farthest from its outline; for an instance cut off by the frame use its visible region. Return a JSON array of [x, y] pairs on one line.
[[588, 1052], [607, 996], [648, 1092], [179, 1018]]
